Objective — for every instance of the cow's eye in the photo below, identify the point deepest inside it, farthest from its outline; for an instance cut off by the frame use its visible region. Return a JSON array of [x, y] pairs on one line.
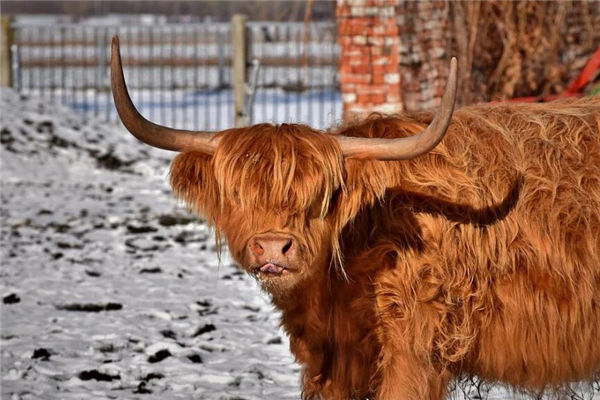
[[315, 209], [333, 200]]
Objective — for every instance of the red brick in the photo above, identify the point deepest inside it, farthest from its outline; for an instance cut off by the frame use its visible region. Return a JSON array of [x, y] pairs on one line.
[[364, 68], [362, 21], [363, 99], [355, 78], [342, 10], [378, 98], [354, 26], [379, 78], [354, 49], [354, 59], [345, 67], [345, 40], [360, 61], [344, 29], [391, 67], [378, 69], [370, 88]]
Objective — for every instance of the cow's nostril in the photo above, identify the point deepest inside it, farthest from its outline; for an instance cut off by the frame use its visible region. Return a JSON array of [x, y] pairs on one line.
[[257, 248], [287, 246]]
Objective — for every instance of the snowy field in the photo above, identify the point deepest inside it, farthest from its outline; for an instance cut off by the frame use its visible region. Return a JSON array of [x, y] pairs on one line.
[[112, 290]]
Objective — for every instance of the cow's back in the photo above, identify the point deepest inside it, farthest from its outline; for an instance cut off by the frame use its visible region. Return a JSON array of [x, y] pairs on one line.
[[547, 289], [508, 211]]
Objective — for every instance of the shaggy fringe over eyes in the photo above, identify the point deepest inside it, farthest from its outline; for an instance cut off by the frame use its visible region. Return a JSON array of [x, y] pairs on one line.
[[284, 169]]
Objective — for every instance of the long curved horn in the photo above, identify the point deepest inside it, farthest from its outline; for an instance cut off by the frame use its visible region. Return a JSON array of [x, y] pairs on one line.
[[408, 147], [146, 131]]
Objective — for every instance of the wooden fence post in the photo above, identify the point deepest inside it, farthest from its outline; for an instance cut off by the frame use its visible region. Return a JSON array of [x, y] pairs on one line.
[[239, 47], [6, 41]]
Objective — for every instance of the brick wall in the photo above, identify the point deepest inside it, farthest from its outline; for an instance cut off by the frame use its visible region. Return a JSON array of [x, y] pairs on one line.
[[370, 56], [395, 53]]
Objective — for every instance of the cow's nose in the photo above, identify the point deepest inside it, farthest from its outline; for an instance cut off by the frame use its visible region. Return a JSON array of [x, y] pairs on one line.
[[272, 246]]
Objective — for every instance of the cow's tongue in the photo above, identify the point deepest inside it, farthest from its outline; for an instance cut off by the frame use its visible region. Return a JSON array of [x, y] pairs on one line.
[[271, 269]]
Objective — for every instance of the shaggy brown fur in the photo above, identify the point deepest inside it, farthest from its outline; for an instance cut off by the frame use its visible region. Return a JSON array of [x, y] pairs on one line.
[[481, 257]]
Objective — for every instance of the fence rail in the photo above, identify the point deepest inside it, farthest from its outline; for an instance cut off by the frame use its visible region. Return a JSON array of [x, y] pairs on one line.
[[181, 75]]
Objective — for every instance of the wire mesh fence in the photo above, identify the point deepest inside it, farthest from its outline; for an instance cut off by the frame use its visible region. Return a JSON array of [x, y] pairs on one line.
[[180, 74], [298, 78]]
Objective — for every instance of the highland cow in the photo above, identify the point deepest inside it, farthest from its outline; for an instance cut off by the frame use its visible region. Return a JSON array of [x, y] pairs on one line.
[[399, 260]]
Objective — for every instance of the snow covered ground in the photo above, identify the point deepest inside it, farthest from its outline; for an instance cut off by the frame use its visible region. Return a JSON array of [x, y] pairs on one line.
[[111, 289]]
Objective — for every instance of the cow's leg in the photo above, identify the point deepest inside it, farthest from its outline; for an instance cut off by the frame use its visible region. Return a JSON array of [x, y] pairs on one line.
[[410, 366], [405, 376]]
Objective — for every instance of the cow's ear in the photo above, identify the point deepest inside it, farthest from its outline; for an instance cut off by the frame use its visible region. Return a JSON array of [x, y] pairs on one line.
[[365, 183], [193, 181]]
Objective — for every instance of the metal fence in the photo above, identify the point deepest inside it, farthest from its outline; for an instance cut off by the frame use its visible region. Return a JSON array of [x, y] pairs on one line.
[[180, 74]]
